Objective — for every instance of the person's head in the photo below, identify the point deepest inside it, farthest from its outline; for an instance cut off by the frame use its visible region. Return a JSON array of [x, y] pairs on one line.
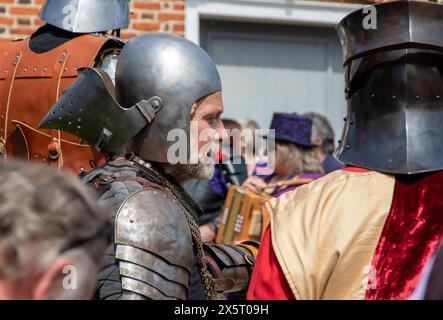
[[52, 234], [206, 117], [165, 106], [394, 83], [294, 150], [322, 133], [86, 16], [292, 160]]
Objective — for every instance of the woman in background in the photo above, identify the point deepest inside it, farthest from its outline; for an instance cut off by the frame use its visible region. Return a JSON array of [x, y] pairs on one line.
[[296, 162]]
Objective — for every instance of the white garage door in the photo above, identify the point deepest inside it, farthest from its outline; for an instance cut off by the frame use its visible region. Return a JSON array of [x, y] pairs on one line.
[[267, 68]]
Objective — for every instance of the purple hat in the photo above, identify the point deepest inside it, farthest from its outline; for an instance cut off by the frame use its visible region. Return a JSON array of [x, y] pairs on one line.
[[291, 127]]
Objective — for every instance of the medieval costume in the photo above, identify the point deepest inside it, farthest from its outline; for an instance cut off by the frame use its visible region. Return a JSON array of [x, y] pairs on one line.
[[35, 72], [157, 252], [367, 231]]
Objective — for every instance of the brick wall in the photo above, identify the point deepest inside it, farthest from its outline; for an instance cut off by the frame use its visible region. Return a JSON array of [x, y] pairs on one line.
[[18, 18]]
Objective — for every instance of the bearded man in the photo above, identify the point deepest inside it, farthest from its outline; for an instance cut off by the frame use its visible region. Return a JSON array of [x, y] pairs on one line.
[[166, 87]]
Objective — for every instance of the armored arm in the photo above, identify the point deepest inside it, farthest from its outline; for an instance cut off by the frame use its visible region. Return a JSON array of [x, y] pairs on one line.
[[153, 247], [231, 265]]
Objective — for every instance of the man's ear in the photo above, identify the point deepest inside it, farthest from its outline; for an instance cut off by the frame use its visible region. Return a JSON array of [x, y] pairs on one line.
[[51, 278]]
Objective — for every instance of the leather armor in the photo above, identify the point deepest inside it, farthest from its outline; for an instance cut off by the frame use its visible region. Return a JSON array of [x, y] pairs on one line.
[[30, 83]]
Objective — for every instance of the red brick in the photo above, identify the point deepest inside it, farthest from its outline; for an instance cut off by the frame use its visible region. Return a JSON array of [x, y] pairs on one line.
[[22, 31], [146, 26], [147, 5], [171, 17], [6, 21], [24, 10], [178, 28]]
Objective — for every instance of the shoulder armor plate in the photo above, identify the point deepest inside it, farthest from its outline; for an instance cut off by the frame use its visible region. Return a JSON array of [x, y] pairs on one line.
[[154, 245]]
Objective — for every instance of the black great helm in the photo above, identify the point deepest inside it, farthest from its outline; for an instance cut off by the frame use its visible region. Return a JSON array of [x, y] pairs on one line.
[[394, 88], [158, 79]]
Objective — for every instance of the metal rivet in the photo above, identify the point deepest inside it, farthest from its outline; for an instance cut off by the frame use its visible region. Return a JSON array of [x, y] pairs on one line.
[[131, 220], [347, 146], [79, 119], [339, 141], [417, 97], [35, 69], [351, 122], [394, 97], [69, 122], [372, 95], [35, 156], [437, 97], [45, 69], [79, 127], [60, 118], [63, 54], [14, 63], [44, 160], [61, 60], [344, 119], [66, 69], [6, 71]]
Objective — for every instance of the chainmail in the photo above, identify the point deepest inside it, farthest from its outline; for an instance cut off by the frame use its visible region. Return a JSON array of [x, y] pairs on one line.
[[208, 281]]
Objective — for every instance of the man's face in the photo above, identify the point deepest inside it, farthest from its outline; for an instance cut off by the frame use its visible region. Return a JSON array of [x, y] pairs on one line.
[[207, 116]]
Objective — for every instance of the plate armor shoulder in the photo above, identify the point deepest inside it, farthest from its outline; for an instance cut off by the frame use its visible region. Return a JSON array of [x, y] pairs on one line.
[[153, 246]]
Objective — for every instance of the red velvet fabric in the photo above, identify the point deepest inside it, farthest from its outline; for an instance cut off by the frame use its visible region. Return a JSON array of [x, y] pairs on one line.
[[355, 169], [268, 281], [411, 234]]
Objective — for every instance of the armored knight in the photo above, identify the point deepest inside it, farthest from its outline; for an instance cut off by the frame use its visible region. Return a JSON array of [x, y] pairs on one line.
[[367, 231], [163, 82], [35, 71]]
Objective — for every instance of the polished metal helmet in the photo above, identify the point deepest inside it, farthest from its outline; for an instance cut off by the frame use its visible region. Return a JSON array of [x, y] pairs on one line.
[[394, 88], [158, 79], [85, 16]]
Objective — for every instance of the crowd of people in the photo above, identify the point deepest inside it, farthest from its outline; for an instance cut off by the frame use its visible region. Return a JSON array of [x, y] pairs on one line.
[[107, 214]]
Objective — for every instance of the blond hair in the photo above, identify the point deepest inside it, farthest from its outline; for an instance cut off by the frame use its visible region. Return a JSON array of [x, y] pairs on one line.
[[295, 160]]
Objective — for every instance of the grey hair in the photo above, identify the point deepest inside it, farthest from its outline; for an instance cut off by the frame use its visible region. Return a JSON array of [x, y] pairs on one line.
[[185, 172], [321, 128], [294, 159], [41, 211]]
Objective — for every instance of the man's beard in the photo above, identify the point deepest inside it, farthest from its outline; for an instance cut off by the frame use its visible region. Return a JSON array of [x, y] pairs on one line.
[[184, 172]]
